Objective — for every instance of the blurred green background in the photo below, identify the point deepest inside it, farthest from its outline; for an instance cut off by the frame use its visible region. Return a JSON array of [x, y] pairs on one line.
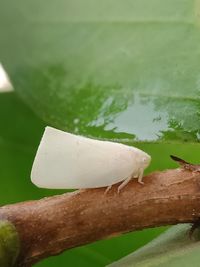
[[126, 71]]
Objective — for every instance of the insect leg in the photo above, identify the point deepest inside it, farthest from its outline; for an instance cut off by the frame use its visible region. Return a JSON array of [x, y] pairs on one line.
[[140, 176], [122, 185], [107, 189]]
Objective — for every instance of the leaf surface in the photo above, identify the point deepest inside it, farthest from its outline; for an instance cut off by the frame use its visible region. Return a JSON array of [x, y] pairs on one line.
[[109, 69]]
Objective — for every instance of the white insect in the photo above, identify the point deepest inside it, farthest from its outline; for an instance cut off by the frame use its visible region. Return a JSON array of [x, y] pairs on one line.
[[65, 160]]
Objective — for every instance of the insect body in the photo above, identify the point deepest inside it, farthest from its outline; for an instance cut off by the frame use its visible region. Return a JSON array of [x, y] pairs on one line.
[[65, 160]]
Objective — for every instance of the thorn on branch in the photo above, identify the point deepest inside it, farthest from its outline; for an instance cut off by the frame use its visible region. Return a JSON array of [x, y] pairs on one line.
[[186, 165]]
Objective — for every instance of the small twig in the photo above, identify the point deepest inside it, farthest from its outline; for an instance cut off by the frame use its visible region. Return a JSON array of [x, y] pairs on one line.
[[186, 165], [51, 225]]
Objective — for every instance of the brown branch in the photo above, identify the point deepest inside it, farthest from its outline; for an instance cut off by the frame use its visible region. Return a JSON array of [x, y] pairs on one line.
[[51, 225]]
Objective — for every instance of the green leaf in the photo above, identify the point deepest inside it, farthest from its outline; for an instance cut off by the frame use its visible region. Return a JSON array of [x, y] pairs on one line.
[[103, 252], [174, 248], [9, 244], [117, 69], [20, 132]]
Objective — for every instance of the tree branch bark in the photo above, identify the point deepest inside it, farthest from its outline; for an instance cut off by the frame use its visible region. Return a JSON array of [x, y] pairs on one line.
[[51, 225]]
